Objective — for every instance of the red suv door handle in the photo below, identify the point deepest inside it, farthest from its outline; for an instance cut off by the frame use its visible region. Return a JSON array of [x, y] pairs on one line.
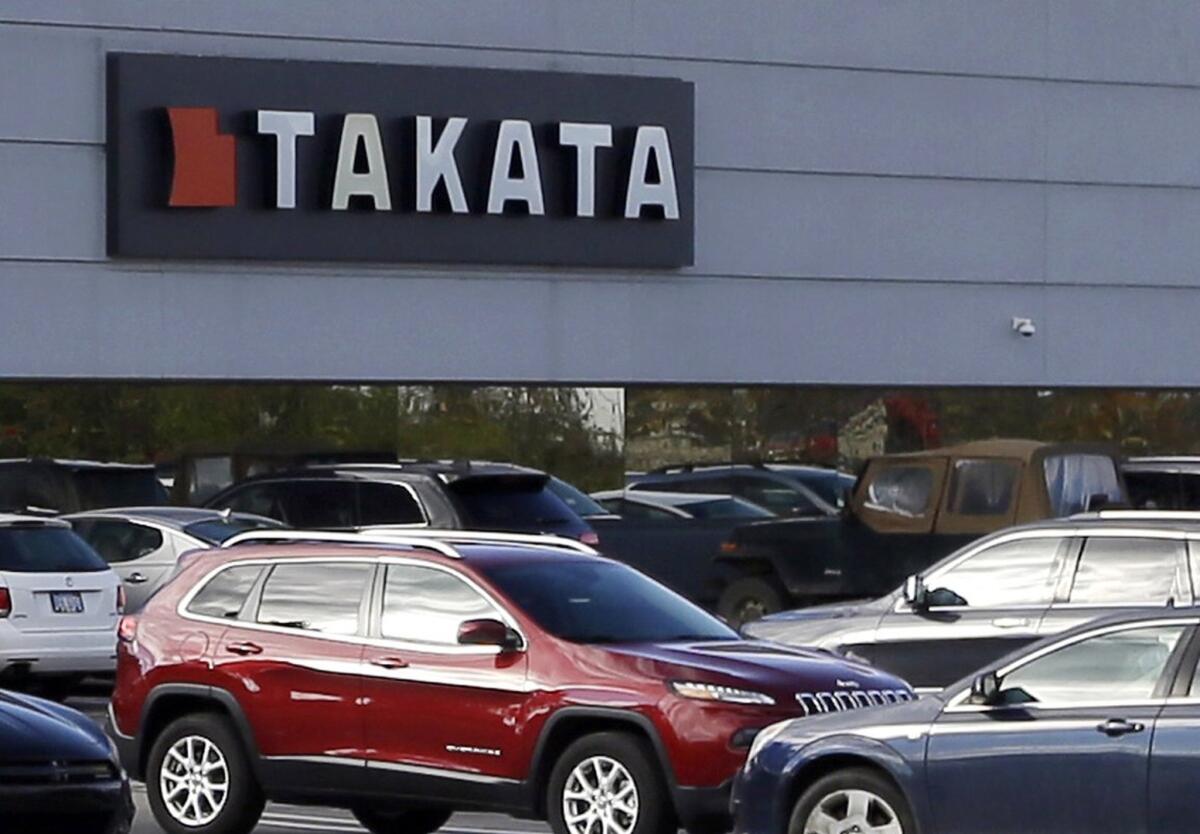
[[390, 662], [245, 648]]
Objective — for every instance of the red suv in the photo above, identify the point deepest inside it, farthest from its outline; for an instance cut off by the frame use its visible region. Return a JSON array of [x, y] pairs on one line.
[[406, 679]]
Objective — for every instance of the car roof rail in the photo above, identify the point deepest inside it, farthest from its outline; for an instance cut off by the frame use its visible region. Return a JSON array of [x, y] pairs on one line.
[[481, 537], [338, 537], [1138, 515]]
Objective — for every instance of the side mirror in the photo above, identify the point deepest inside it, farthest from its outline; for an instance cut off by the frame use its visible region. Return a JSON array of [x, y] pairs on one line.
[[915, 593], [489, 633], [985, 689]]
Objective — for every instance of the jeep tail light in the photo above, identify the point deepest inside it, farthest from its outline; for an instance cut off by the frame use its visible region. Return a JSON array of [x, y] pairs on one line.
[[5, 603], [590, 538], [120, 599], [729, 547], [127, 630]]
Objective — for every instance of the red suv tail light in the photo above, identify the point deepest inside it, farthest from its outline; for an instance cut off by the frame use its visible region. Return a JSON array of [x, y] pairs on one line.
[[589, 538], [5, 603], [127, 630]]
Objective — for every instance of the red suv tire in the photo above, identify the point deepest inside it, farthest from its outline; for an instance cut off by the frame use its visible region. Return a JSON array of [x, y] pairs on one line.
[[611, 777]]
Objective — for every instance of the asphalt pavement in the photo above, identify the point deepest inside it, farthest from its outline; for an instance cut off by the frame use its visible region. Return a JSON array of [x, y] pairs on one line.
[[290, 819]]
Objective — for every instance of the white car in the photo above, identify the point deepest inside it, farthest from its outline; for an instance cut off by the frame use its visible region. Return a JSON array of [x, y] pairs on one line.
[[59, 605]]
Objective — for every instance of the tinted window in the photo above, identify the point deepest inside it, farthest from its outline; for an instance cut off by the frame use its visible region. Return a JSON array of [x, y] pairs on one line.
[[424, 605], [901, 490], [1120, 571], [43, 549], [257, 499], [1154, 490], [601, 602], [641, 512], [218, 530], [775, 496], [722, 508], [99, 488], [579, 501], [225, 594], [321, 503], [387, 504], [717, 485], [323, 597], [1018, 572], [1120, 667], [983, 487], [119, 541], [1073, 481], [500, 504]]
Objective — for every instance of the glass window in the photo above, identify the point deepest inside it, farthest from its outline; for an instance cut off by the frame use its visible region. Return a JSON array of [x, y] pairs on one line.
[[425, 605], [603, 602], [983, 487], [517, 504], [102, 487], [901, 490], [776, 496], [1119, 667], [635, 511], [321, 597], [1154, 490], [40, 548], [726, 508], [387, 504], [1190, 485], [1076, 482], [118, 541], [322, 504], [575, 498], [225, 593], [257, 499], [1019, 572], [220, 529], [1120, 571]]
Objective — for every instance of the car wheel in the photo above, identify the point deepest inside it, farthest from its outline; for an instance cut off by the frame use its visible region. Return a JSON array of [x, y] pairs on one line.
[[609, 783], [411, 821], [852, 800], [749, 599], [199, 780]]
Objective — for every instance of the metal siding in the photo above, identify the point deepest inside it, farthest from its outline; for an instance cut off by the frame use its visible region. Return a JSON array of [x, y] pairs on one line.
[[880, 191]]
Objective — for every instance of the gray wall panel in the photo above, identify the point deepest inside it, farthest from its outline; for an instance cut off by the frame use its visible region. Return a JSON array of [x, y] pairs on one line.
[[51, 201]]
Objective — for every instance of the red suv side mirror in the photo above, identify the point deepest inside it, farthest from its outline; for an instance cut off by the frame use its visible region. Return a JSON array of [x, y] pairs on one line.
[[489, 633]]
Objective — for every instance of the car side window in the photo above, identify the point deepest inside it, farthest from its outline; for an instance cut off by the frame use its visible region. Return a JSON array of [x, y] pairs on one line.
[[258, 499], [1118, 667], [901, 490], [775, 496], [1127, 571], [119, 541], [387, 504], [1017, 572], [426, 605], [983, 486], [634, 511], [315, 596], [322, 503], [224, 595]]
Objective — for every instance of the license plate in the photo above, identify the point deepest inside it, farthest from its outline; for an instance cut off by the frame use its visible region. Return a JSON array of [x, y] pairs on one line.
[[66, 602]]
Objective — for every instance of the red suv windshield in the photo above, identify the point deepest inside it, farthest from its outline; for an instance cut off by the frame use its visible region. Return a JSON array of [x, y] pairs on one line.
[[596, 602]]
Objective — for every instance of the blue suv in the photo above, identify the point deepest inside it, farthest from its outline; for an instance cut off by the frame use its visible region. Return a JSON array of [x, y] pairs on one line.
[[1095, 730]]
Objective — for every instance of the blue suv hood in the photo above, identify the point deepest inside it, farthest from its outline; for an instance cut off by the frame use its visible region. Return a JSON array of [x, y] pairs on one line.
[[33, 730]]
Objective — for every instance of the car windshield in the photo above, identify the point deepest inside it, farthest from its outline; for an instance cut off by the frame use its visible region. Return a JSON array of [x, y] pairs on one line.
[[603, 602], [575, 498], [217, 530], [46, 549]]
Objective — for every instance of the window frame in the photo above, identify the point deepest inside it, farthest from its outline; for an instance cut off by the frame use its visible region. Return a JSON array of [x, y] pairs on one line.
[[1181, 590]]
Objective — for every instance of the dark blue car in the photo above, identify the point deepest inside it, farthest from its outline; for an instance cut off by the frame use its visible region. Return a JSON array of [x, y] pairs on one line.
[[58, 772], [1092, 731]]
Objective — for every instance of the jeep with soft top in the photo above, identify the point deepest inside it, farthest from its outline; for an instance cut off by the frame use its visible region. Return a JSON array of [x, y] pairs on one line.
[[906, 512]]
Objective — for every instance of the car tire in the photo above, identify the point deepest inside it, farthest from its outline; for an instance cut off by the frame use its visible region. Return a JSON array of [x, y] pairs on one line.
[[410, 821], [216, 757], [623, 759], [748, 599], [855, 799]]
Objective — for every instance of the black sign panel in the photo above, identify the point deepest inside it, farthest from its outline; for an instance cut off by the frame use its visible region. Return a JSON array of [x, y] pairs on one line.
[[306, 161]]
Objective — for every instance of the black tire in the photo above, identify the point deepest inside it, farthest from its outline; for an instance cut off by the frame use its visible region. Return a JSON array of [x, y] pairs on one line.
[[244, 803], [749, 598], [410, 821], [655, 812], [853, 779]]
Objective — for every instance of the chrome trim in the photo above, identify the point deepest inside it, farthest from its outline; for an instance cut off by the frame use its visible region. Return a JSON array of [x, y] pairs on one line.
[[339, 537], [956, 704], [422, 770], [354, 639], [112, 723], [821, 703]]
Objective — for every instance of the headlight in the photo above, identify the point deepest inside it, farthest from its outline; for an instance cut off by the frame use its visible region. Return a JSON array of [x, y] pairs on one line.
[[724, 694], [764, 737]]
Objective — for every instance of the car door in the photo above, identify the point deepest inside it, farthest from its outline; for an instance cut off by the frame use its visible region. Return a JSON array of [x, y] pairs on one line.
[[980, 607], [439, 713], [1067, 751], [1175, 751], [1118, 571], [143, 556], [292, 659]]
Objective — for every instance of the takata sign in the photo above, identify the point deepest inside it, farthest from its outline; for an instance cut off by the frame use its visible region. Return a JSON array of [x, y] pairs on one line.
[[300, 161]]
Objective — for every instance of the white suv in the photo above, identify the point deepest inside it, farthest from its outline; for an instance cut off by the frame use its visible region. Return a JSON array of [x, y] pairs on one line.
[[59, 605]]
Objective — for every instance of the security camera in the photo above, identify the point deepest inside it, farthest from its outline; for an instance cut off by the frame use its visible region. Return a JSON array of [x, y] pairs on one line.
[[1025, 327]]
